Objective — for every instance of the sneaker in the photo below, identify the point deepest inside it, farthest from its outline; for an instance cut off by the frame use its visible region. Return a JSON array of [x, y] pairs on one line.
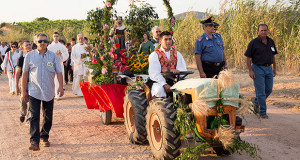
[[34, 146], [264, 116], [22, 119], [45, 143]]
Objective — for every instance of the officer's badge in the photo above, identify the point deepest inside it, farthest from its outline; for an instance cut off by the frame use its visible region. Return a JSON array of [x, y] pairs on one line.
[[273, 49]]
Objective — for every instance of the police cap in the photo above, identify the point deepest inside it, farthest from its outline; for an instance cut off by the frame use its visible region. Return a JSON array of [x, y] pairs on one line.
[[208, 20]]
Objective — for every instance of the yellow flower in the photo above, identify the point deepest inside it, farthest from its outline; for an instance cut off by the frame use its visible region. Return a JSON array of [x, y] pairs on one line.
[[140, 54], [138, 64]]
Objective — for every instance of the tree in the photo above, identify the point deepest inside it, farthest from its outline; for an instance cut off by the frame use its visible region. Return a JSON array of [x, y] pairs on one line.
[[41, 19], [139, 20]]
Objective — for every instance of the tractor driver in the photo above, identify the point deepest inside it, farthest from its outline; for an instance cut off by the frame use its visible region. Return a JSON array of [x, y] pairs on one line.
[[164, 59]]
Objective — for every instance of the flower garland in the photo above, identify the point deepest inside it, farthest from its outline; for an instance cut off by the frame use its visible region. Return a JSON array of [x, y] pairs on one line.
[[171, 16]]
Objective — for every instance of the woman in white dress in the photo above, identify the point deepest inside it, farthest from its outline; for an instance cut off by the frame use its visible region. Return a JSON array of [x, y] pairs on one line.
[[9, 66]]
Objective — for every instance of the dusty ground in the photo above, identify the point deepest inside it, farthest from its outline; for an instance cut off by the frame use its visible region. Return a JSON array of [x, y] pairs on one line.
[[77, 133]]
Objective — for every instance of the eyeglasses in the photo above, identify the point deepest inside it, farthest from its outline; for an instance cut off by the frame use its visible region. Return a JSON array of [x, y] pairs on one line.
[[41, 41], [158, 31], [211, 25], [13, 46]]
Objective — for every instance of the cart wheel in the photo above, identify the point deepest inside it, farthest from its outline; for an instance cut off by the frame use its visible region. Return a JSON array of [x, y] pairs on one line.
[[163, 140], [106, 117], [135, 109]]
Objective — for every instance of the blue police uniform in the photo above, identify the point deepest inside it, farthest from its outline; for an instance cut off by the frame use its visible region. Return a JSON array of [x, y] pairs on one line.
[[210, 49]]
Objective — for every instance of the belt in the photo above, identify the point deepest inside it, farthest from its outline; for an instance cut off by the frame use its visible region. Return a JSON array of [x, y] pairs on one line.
[[264, 65], [213, 63]]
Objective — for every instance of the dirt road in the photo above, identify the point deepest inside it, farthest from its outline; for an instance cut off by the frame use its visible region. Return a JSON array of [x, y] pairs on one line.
[[77, 133]]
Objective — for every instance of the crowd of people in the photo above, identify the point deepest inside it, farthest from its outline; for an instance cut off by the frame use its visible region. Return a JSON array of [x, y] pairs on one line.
[[38, 70]]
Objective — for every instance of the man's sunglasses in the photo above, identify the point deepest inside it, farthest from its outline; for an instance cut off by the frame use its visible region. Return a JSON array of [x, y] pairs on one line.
[[13, 46], [45, 41], [158, 31]]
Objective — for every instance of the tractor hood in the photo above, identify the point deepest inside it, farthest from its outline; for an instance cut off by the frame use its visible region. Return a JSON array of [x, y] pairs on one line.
[[207, 88]]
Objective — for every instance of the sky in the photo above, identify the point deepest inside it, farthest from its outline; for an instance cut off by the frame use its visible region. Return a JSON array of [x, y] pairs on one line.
[[28, 10]]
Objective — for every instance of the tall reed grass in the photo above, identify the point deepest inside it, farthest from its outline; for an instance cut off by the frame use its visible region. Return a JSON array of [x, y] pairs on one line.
[[238, 21]]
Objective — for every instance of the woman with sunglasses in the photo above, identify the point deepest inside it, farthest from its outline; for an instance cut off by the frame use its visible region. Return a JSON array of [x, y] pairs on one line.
[[9, 66]]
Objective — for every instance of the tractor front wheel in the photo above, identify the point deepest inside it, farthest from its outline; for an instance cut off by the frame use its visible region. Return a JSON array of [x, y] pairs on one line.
[[163, 140]]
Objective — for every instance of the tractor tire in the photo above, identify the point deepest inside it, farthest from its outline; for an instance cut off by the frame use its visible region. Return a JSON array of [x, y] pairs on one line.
[[106, 117], [135, 109], [164, 141]]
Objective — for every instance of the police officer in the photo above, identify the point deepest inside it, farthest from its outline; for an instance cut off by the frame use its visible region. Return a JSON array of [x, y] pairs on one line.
[[209, 51], [261, 53]]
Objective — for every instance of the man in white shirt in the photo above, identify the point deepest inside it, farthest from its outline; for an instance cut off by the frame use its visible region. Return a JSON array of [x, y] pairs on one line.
[[62, 52], [156, 32], [164, 59], [3, 49], [78, 63]]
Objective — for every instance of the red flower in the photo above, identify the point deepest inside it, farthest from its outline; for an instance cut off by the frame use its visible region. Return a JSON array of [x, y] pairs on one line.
[[94, 61], [105, 37], [122, 68], [123, 60], [116, 45], [171, 32], [123, 50], [118, 64], [115, 56]]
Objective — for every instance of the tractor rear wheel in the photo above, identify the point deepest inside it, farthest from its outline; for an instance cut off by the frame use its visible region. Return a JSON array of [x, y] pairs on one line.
[[106, 117], [135, 109], [163, 140]]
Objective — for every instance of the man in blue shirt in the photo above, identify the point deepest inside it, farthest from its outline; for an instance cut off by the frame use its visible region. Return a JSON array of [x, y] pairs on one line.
[[209, 51], [39, 69]]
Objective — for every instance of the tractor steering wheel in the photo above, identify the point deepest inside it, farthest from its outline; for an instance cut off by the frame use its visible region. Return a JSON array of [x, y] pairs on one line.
[[177, 76]]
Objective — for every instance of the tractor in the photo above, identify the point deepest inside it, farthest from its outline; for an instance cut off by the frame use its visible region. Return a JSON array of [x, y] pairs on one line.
[[151, 120]]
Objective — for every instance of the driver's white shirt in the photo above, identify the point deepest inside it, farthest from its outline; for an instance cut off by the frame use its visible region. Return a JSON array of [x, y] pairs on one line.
[[155, 71]]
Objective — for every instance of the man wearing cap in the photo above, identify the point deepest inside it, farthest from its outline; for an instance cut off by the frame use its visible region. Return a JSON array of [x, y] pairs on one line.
[[209, 51], [261, 53]]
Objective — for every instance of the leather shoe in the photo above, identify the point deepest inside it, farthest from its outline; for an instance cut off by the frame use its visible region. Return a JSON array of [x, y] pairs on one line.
[[264, 116], [34, 146], [45, 143]]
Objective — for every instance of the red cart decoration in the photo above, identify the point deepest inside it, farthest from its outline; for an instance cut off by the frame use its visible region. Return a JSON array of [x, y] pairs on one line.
[[105, 97]]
